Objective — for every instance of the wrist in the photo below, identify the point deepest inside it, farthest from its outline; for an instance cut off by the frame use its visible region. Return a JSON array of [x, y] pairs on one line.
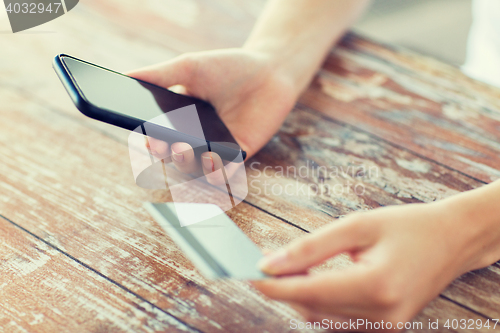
[[285, 61], [474, 218]]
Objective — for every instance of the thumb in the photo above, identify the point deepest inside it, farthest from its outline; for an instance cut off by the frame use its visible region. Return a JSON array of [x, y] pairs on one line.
[[346, 235], [166, 74]]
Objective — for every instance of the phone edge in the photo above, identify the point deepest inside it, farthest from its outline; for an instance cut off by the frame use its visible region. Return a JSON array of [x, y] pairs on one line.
[[90, 111]]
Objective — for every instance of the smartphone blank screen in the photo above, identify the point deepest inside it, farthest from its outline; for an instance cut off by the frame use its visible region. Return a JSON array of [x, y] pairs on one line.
[[132, 98]]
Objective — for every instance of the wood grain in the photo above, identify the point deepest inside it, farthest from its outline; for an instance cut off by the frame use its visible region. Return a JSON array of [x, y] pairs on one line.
[[413, 102], [114, 235], [440, 311], [371, 106], [42, 290], [73, 188], [340, 170], [400, 186]]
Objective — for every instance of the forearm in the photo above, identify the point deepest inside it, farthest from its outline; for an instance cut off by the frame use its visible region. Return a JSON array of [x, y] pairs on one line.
[[477, 214], [297, 34]]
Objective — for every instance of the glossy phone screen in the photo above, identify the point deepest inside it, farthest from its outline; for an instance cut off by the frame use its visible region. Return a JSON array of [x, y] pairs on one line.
[[126, 96]]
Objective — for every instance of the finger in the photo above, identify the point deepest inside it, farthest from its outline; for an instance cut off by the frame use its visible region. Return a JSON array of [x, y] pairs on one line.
[[346, 235], [166, 74], [343, 292], [157, 148], [213, 168], [183, 158]]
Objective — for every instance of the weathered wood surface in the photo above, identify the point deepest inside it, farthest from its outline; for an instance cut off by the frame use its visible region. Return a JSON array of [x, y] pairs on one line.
[[112, 233], [124, 256], [44, 290], [67, 182], [413, 102]]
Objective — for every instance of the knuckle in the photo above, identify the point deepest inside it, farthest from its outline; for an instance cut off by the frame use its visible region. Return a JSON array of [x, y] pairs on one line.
[[363, 225], [188, 62], [356, 221]]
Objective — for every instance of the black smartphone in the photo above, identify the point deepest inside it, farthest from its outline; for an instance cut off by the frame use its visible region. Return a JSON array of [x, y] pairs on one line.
[[129, 103]]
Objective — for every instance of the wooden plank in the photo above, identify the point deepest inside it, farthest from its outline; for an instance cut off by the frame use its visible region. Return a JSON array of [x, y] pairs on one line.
[[400, 192], [413, 102], [400, 186], [440, 311], [147, 32], [332, 170], [320, 208], [81, 33], [74, 188], [410, 100], [43, 290], [80, 196], [307, 140], [479, 290], [103, 32]]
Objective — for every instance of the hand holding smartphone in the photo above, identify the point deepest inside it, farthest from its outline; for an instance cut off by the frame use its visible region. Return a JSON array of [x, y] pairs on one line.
[[129, 103]]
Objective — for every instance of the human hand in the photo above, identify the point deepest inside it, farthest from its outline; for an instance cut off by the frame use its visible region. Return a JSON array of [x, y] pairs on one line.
[[251, 96], [404, 256]]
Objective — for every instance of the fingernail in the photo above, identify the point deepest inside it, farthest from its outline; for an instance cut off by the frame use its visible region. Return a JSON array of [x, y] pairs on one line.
[[273, 262], [178, 157], [207, 162]]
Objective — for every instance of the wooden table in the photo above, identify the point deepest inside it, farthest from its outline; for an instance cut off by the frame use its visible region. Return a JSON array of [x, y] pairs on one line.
[[78, 253]]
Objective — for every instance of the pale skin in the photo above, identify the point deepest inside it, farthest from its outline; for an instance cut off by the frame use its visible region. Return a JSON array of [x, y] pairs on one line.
[[403, 256]]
